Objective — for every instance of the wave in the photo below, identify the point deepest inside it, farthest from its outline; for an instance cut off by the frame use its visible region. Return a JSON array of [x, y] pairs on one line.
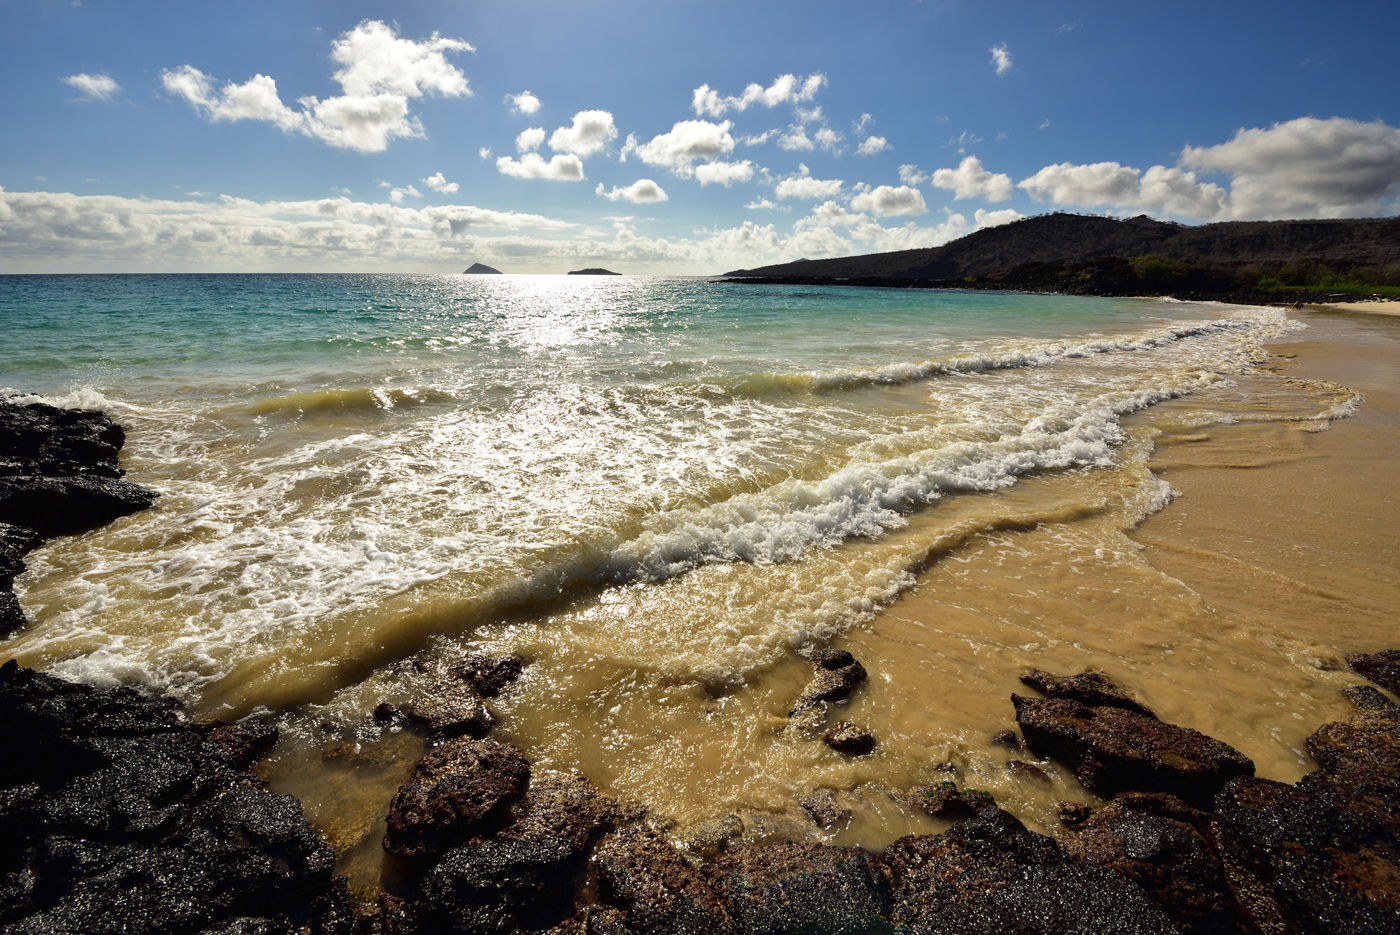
[[361, 399], [83, 397]]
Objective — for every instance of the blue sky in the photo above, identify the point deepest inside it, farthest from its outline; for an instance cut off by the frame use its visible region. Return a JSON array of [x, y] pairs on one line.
[[664, 137]]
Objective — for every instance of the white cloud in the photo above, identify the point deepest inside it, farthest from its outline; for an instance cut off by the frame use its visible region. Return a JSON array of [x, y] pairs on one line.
[[828, 139], [1001, 58], [864, 121], [396, 195], [686, 143], [529, 140], [830, 214], [785, 89], [590, 132], [380, 74], [562, 167], [985, 218], [438, 183], [909, 174], [802, 185], [872, 145], [93, 87], [758, 139], [642, 191], [484, 153], [724, 173], [523, 103], [890, 201], [763, 204], [970, 180], [1112, 185], [796, 140], [1308, 167]]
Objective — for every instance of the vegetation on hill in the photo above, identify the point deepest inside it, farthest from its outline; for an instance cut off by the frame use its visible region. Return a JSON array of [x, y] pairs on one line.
[[1259, 260]]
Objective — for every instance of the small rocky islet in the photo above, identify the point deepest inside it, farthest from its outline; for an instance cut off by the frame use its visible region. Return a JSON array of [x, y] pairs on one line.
[[119, 814]]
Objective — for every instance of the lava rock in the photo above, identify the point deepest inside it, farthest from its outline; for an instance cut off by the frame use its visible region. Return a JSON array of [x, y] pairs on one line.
[[659, 891], [451, 711], [1163, 845], [500, 886], [770, 889], [989, 875], [460, 788], [1383, 668], [1112, 750], [41, 439], [488, 674], [58, 506], [849, 739], [823, 808], [1091, 688], [1369, 700], [835, 676], [567, 807], [945, 800]]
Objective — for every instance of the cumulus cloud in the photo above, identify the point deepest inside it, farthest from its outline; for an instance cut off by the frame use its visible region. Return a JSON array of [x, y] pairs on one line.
[[438, 183], [890, 201], [1113, 185], [561, 167], [828, 139], [785, 89], [1307, 167], [396, 195], [484, 153], [796, 140], [910, 174], [985, 218], [523, 103], [724, 173], [1001, 58], [970, 180], [93, 87], [763, 204], [685, 144], [529, 140], [802, 185], [589, 133], [642, 191], [379, 74], [872, 145]]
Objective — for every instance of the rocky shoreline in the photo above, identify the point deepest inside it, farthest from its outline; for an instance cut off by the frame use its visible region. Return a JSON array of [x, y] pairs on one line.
[[119, 814]]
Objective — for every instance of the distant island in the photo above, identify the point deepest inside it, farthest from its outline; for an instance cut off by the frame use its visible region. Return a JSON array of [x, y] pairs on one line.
[[593, 271], [1242, 261], [477, 268]]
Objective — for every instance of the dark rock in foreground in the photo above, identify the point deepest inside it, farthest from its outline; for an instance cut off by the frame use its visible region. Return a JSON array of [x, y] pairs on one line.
[[849, 739], [460, 788], [836, 674], [1383, 668], [1091, 688], [488, 674], [1112, 750], [122, 817]]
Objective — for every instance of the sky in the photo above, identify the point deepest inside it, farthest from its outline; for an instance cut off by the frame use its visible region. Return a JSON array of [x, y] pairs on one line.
[[660, 137]]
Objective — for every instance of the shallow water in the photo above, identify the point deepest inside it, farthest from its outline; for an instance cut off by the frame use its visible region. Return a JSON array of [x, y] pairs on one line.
[[660, 491]]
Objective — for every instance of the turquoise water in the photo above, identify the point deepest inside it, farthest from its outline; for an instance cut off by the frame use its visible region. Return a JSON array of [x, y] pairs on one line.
[[355, 466]]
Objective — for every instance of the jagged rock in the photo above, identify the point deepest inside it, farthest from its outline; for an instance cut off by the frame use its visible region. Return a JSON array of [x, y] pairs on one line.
[[835, 675], [1163, 845], [1383, 668], [707, 838], [849, 739], [1091, 688], [500, 886], [461, 787], [989, 875], [12, 617], [823, 808], [1112, 750], [771, 889], [568, 807], [945, 800], [58, 506], [489, 674], [122, 817], [1367, 699], [1310, 859], [1361, 756], [450, 711], [660, 892], [593, 920], [45, 440]]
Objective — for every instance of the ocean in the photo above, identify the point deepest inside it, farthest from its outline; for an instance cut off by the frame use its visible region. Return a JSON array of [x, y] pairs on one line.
[[659, 491]]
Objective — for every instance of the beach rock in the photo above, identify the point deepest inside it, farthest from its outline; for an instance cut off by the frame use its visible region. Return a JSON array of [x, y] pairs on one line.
[[849, 739], [1368, 700], [450, 711], [489, 674], [244, 743], [1163, 845], [570, 808], [1360, 756], [12, 618], [120, 816], [1007, 738], [45, 440], [989, 875], [1383, 668], [945, 800], [1091, 688], [835, 676], [500, 886], [771, 889], [460, 788], [1112, 750], [1020, 769], [707, 838], [59, 506], [823, 808], [659, 891]]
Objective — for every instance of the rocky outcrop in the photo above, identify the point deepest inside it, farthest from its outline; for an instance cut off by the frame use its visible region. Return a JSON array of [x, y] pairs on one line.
[[120, 816], [58, 476], [593, 271], [836, 674], [480, 268], [1113, 749], [1383, 668], [850, 739], [1091, 688]]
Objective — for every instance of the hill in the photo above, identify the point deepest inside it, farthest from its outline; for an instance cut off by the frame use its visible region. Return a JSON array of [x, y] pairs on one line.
[[1098, 255]]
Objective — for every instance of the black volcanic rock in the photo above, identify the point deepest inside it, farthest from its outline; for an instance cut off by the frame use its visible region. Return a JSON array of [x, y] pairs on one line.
[[1383, 668], [480, 268], [460, 788], [120, 816], [593, 271], [1090, 688], [836, 674]]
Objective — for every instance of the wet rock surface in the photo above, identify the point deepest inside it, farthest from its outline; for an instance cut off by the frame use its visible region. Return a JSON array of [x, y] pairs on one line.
[[836, 674], [58, 476], [1111, 749], [849, 739], [123, 817], [1383, 668], [1091, 688]]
